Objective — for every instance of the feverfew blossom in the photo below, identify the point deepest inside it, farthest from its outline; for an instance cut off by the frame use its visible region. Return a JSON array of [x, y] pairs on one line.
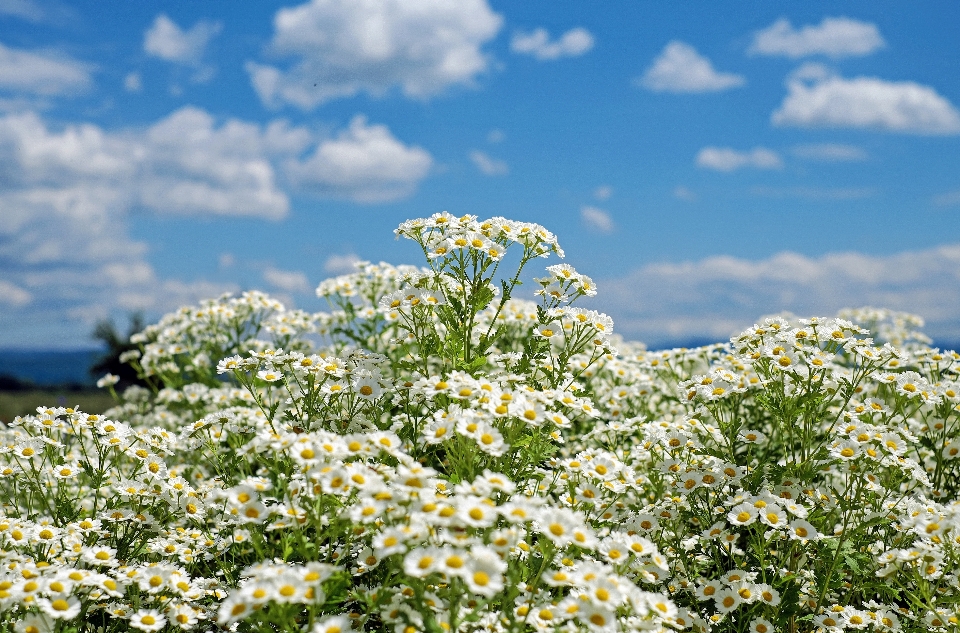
[[434, 453]]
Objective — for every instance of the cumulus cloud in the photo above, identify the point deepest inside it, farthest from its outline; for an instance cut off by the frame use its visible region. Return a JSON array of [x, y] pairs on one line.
[[183, 163], [188, 164], [66, 251], [67, 194], [489, 166], [680, 68], [42, 73], [719, 296], [830, 152], [194, 167], [167, 41], [339, 48], [68, 260], [597, 219], [537, 43], [365, 163], [729, 159], [833, 37], [816, 97], [286, 280]]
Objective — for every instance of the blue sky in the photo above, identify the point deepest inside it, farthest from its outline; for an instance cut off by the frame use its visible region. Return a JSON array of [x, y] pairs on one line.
[[705, 165]]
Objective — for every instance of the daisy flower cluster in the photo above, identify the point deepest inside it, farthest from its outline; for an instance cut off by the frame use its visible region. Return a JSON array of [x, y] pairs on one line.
[[801, 477], [434, 454]]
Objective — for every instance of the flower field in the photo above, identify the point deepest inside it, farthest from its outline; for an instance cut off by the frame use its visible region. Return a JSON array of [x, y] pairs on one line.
[[435, 455]]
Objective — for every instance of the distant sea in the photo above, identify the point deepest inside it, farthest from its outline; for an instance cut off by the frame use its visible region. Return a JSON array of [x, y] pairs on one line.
[[54, 367], [50, 367]]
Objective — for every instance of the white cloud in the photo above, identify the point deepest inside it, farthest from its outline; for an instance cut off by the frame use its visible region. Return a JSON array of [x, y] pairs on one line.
[[684, 193], [596, 219], [183, 163], [496, 136], [341, 264], [489, 166], [719, 296], [167, 41], [64, 235], [51, 11], [13, 295], [343, 47], [132, 82], [818, 98], [833, 37], [537, 43], [195, 167], [286, 280], [66, 251], [365, 163], [42, 73], [729, 159], [188, 164], [949, 199], [603, 192], [680, 68], [23, 9], [830, 152]]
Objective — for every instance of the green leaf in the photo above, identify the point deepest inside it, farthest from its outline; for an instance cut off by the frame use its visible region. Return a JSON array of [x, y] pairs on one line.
[[483, 298], [476, 364]]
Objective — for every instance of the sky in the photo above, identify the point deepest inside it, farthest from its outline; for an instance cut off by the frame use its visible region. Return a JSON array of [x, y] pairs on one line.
[[705, 166]]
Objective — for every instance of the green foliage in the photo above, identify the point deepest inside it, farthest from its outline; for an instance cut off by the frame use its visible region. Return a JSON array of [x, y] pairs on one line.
[[434, 454]]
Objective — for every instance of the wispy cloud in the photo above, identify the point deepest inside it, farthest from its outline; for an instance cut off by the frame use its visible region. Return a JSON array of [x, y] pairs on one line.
[[286, 280], [132, 82], [728, 159], [488, 165], [948, 199], [603, 192], [13, 295], [340, 264], [833, 37], [596, 219], [537, 43], [50, 11], [42, 73], [718, 296], [830, 152]]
